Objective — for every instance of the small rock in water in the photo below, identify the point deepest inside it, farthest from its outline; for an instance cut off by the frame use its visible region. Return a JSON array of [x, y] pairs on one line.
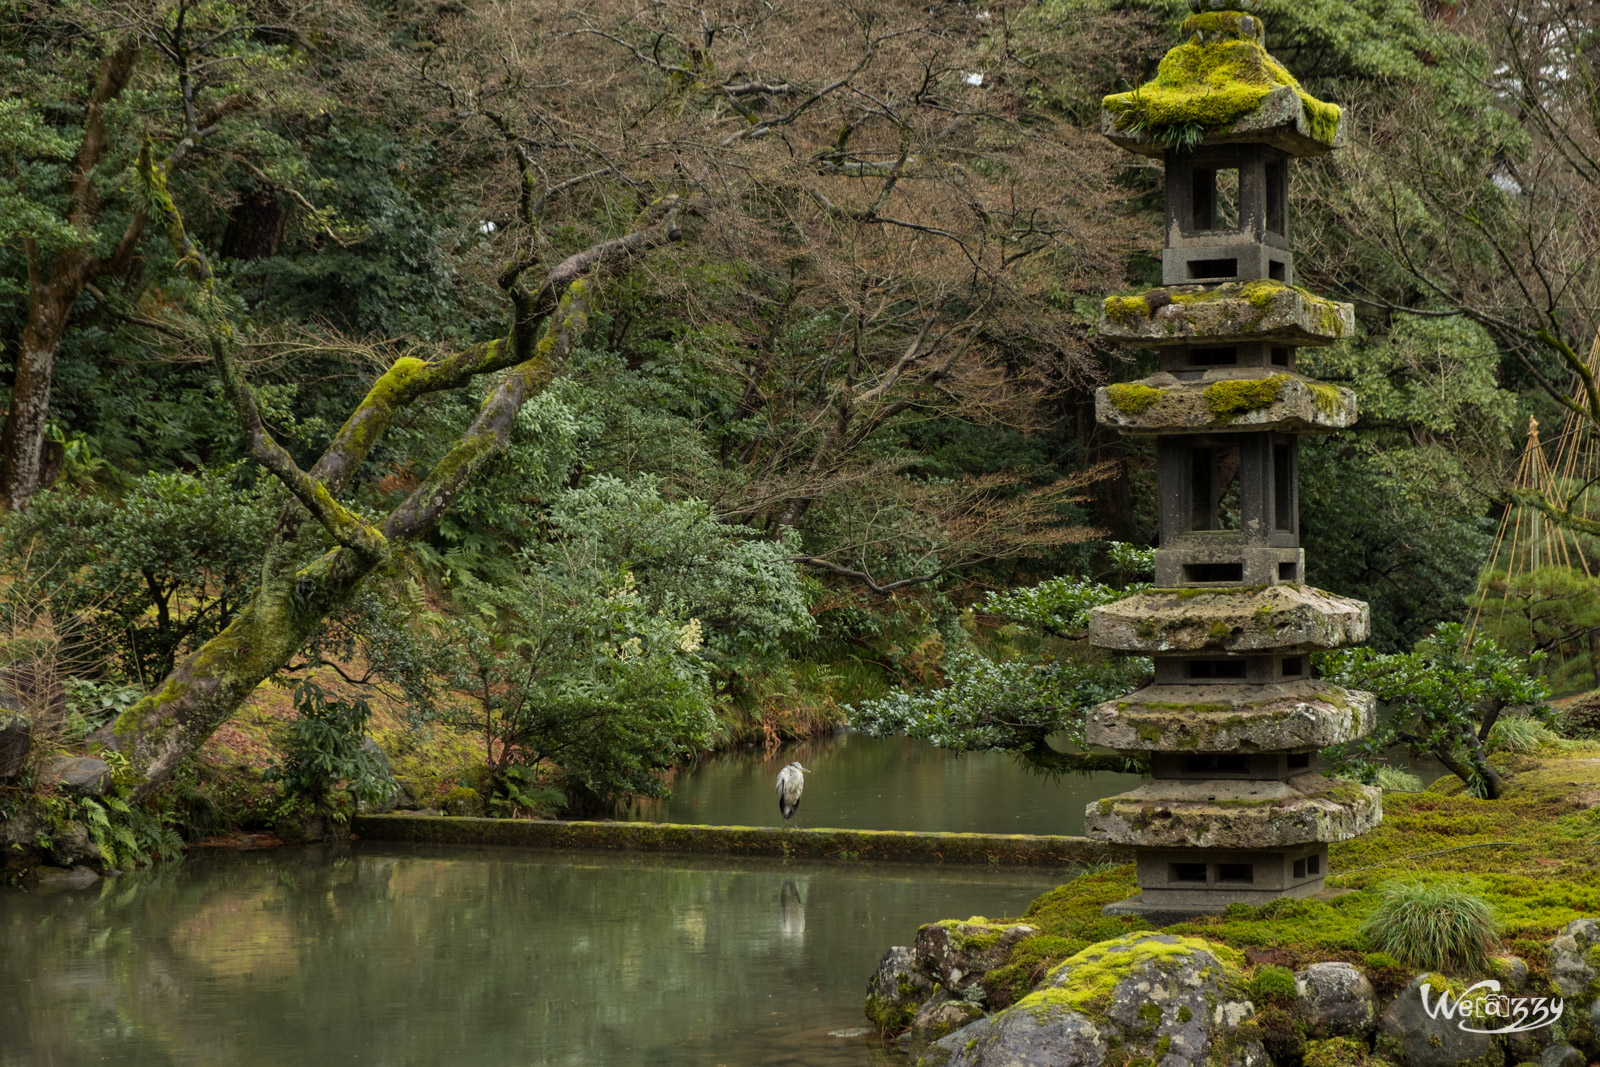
[[62, 878]]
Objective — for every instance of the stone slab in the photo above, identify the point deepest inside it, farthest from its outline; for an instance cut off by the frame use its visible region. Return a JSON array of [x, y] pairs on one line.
[[1234, 313], [1278, 402], [848, 845], [1286, 618], [1277, 717], [1176, 813]]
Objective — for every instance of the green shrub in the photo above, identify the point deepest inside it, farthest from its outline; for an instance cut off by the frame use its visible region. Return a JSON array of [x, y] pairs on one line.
[[1435, 926], [327, 746]]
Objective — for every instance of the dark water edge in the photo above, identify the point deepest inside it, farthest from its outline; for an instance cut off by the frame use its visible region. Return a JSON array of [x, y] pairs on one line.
[[385, 954]]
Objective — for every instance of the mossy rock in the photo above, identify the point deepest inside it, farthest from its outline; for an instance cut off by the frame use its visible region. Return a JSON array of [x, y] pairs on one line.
[[1143, 995], [1220, 86]]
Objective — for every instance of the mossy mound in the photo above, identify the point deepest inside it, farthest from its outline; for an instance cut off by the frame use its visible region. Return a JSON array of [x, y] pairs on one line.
[[1215, 83]]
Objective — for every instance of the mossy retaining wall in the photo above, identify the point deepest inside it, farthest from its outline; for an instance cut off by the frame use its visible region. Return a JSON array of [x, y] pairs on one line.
[[1009, 850]]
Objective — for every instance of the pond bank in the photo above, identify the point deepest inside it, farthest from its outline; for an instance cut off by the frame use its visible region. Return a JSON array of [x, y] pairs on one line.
[[820, 844]]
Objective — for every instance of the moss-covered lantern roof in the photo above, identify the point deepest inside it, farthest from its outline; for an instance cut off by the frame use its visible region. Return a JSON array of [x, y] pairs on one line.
[[1218, 87]]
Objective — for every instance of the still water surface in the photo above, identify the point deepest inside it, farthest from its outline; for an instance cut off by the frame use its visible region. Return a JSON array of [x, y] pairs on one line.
[[864, 783], [389, 955]]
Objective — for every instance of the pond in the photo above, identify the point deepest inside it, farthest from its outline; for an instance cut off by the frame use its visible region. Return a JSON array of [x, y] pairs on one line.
[[414, 955], [896, 783]]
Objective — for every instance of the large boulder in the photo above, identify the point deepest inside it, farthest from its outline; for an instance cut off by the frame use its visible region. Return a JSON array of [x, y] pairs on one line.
[[1411, 1035], [16, 734], [958, 954], [1335, 1000], [78, 776], [1575, 974], [895, 991], [1160, 998]]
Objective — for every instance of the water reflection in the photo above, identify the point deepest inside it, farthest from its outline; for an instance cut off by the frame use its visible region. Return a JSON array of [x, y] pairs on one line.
[[864, 783], [791, 913], [388, 955]]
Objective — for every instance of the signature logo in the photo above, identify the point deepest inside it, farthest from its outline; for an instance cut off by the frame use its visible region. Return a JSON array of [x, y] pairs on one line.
[[1486, 1006]]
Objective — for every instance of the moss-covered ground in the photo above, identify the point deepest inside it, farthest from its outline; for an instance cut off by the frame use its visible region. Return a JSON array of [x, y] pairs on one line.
[[1534, 855]]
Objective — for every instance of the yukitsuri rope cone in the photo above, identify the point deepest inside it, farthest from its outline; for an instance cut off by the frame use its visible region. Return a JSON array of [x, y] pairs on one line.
[[1234, 811]]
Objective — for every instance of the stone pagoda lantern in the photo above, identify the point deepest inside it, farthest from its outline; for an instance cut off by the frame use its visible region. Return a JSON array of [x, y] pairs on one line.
[[1233, 811]]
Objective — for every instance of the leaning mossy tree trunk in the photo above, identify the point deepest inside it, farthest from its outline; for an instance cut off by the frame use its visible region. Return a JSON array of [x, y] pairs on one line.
[[311, 569]]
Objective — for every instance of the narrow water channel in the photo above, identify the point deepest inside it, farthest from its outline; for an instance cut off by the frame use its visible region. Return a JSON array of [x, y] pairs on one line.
[[424, 956], [896, 783]]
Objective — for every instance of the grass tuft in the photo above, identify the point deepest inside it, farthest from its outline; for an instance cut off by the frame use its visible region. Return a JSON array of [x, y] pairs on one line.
[[1395, 780], [1516, 733], [1433, 926]]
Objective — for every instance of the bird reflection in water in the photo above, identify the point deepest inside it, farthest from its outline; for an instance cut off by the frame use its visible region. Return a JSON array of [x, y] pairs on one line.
[[791, 914]]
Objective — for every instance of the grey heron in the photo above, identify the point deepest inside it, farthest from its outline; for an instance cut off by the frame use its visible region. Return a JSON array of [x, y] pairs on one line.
[[791, 780]]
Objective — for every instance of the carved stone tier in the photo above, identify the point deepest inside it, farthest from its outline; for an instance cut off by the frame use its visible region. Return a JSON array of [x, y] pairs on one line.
[[1280, 121], [1242, 815], [1219, 86], [1235, 313], [1277, 717], [1284, 403], [1275, 618]]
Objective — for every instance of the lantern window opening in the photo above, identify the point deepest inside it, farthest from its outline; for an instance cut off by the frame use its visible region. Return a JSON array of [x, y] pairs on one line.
[[1283, 487], [1214, 488], [1216, 198], [1236, 872]]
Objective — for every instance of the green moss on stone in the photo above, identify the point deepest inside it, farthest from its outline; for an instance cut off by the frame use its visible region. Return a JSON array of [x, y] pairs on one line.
[[1125, 310], [1132, 398], [1328, 399], [1091, 977], [1229, 399]]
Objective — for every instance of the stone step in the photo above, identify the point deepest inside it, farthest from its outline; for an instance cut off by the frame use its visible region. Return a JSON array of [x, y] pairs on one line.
[[1272, 618], [1168, 813], [1277, 717], [1279, 402]]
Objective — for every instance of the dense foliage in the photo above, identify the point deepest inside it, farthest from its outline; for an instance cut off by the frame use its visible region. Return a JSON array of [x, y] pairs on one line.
[[821, 281]]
